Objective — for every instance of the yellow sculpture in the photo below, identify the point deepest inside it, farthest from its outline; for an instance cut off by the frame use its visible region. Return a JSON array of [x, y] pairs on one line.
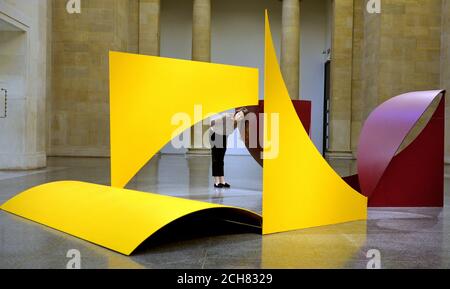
[[300, 189], [114, 218], [147, 91]]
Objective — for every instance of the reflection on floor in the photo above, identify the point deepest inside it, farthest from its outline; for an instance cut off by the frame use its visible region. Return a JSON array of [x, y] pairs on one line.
[[406, 238]]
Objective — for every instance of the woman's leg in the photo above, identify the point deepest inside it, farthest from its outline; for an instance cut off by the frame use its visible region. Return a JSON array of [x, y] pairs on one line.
[[222, 179], [217, 159], [218, 162], [216, 168]]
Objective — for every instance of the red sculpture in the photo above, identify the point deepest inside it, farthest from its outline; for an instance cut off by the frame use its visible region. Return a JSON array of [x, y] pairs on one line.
[[413, 177]]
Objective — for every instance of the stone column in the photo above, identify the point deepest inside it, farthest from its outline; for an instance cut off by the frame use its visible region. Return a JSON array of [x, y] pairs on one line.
[[290, 46], [149, 27], [201, 51], [79, 114], [341, 80], [23, 73], [445, 69], [201, 31]]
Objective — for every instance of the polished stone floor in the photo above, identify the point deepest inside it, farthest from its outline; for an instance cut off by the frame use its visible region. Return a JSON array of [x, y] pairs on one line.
[[405, 238]]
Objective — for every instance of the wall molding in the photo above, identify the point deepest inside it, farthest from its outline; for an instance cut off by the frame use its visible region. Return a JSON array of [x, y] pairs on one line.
[[14, 16], [340, 155], [23, 161], [66, 151]]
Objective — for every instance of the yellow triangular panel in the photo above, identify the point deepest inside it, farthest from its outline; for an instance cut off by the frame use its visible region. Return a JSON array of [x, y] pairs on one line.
[[146, 92], [300, 189]]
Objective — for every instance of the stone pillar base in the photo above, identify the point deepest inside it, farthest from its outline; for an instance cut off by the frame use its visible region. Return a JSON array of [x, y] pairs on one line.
[[447, 160], [30, 161], [198, 153], [340, 155], [290, 46]]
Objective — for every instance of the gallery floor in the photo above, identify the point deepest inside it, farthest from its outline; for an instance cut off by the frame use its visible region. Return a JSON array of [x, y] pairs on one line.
[[406, 238]]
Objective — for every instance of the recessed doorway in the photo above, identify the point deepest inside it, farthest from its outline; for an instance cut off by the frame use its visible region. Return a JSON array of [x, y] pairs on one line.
[[13, 79]]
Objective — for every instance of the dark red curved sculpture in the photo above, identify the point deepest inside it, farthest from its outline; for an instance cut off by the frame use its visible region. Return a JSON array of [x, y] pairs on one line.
[[303, 109], [415, 176]]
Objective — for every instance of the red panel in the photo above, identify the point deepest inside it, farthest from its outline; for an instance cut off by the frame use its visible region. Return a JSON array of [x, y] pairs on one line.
[[353, 181], [415, 177], [303, 109]]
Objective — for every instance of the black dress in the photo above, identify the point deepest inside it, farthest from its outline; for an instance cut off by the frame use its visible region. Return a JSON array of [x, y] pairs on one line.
[[220, 130]]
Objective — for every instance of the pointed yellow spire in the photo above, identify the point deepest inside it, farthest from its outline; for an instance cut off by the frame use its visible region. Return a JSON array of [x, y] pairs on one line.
[[300, 189]]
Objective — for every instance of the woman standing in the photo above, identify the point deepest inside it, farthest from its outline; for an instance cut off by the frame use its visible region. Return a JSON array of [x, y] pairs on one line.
[[221, 127]]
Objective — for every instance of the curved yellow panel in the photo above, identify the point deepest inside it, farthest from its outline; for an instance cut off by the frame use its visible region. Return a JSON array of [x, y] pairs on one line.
[[114, 218], [300, 189], [147, 91]]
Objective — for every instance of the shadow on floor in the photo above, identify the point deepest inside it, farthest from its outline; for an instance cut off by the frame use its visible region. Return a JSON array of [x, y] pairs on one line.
[[201, 225]]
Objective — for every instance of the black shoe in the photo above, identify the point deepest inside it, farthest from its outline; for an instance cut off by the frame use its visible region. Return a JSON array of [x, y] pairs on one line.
[[226, 185], [219, 186]]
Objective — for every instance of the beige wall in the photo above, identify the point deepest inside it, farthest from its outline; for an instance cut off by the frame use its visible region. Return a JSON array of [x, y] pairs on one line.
[[13, 54], [394, 52], [445, 68], [23, 72], [341, 79], [358, 66], [79, 124], [149, 26], [409, 47]]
